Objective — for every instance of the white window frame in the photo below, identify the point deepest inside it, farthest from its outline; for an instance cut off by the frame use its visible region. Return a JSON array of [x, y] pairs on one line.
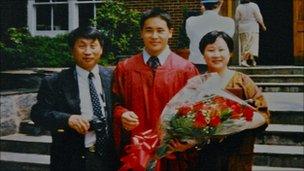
[[73, 16]]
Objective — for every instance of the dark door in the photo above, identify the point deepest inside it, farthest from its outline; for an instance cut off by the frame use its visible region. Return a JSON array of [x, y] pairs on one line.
[[276, 44]]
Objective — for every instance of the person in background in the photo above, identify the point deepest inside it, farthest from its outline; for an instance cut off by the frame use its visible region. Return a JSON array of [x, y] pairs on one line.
[[235, 152], [144, 84], [75, 105], [198, 26], [248, 18]]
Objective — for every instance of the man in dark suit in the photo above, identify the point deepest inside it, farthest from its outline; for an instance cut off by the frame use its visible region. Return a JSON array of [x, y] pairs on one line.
[[75, 105]]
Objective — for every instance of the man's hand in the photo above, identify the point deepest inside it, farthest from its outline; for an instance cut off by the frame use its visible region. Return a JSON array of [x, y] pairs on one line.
[[129, 120], [79, 123]]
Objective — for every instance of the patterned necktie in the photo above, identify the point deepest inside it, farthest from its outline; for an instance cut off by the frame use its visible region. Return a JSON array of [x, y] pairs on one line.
[[153, 62], [101, 131]]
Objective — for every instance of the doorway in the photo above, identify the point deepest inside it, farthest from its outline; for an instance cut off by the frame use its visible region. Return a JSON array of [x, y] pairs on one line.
[[276, 44]]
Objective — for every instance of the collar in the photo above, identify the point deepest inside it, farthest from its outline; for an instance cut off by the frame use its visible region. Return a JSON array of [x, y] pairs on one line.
[[226, 77], [210, 12], [84, 73], [162, 56]]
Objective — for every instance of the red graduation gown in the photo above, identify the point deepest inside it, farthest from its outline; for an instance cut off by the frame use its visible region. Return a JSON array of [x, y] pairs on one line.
[[138, 89]]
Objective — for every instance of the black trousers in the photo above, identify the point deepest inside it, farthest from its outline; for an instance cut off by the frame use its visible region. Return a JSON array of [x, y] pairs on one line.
[[82, 160], [94, 163]]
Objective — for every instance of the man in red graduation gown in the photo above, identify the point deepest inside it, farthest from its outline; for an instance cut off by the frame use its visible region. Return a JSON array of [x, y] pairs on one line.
[[144, 83]]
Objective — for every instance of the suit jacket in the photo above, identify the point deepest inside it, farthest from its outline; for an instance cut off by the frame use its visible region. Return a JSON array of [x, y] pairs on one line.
[[58, 98]]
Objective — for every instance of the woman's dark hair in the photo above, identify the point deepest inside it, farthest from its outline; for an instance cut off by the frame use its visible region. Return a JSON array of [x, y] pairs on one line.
[[87, 32], [156, 12], [245, 1], [211, 37]]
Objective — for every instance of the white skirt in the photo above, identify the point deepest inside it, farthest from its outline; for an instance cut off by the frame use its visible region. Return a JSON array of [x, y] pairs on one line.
[[249, 42]]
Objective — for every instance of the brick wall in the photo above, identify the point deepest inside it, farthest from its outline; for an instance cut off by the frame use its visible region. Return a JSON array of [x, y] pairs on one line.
[[174, 7]]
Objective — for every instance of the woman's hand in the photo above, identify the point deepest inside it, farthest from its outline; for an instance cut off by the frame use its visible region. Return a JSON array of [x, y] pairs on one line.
[[129, 120], [257, 121], [264, 28], [176, 145]]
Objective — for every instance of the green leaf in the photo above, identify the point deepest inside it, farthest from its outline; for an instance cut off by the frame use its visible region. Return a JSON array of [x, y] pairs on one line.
[[162, 151], [225, 114]]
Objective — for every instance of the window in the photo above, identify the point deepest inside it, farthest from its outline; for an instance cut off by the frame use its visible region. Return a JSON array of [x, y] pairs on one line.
[[52, 17], [87, 11], [51, 14]]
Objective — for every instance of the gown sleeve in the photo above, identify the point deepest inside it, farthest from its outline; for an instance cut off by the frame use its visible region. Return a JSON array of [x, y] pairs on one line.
[[118, 103]]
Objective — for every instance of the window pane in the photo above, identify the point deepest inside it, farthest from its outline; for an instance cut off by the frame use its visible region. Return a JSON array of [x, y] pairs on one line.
[[43, 17], [86, 12], [60, 17]]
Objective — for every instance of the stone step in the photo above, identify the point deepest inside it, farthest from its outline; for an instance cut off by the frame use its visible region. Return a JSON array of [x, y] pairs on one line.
[[24, 162], [286, 108], [26, 144], [287, 117], [24, 79], [294, 78], [275, 134], [270, 70], [20, 81], [278, 134], [279, 156], [265, 168], [265, 155], [281, 87], [30, 78], [284, 101]]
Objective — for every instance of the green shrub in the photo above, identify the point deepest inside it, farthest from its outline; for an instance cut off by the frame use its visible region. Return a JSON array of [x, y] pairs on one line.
[[118, 25], [120, 29], [23, 51]]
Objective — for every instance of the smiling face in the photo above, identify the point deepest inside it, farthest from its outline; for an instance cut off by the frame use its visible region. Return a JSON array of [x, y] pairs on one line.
[[217, 56], [155, 34], [86, 53]]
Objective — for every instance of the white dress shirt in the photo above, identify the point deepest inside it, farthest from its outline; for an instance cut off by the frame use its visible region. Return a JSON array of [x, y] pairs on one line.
[[198, 26], [162, 57], [86, 107]]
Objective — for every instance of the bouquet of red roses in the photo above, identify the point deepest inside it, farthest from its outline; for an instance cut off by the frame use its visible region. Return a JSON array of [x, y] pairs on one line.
[[214, 115], [203, 110], [200, 111]]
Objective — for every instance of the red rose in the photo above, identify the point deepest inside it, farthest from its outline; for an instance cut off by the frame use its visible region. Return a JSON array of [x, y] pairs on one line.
[[248, 113], [236, 111], [200, 121], [215, 121], [230, 102], [219, 100], [184, 110], [198, 106]]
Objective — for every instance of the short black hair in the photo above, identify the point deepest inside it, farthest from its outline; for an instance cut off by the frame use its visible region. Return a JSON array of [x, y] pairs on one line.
[[156, 12], [86, 32], [211, 5], [211, 37], [245, 1]]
